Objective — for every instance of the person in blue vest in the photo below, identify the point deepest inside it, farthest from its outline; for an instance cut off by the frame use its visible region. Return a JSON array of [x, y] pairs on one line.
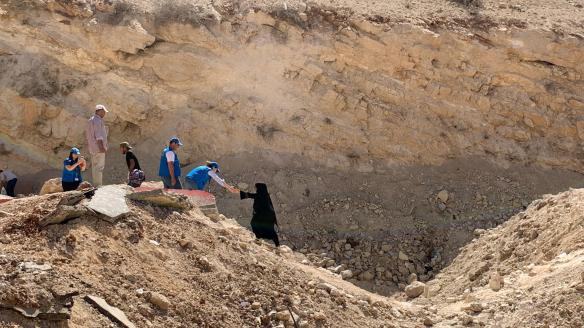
[[72, 168], [200, 176], [169, 170]]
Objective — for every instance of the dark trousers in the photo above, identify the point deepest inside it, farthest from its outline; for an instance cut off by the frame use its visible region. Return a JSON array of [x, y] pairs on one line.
[[68, 186], [166, 181], [262, 232], [10, 185]]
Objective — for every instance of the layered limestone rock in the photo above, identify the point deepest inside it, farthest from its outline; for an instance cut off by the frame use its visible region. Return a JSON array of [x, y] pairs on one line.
[[346, 93]]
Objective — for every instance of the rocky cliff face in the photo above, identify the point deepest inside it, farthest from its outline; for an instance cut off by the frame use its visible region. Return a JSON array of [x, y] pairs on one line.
[[342, 92], [356, 122]]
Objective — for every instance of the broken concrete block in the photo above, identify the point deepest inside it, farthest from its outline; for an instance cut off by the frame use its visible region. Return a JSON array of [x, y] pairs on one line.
[[161, 198], [64, 213], [110, 201], [4, 199], [109, 311]]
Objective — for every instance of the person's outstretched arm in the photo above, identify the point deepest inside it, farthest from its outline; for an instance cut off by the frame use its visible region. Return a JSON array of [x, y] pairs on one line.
[[246, 195], [222, 182]]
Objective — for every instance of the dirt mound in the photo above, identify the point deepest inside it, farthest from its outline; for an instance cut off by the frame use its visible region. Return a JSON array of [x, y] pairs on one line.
[[164, 268], [528, 271]]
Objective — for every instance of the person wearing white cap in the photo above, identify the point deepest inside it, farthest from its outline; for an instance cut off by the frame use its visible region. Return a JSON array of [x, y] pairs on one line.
[[96, 133]]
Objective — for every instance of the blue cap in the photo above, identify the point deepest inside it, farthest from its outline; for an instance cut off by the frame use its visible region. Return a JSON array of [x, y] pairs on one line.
[[175, 140], [75, 151], [213, 165]]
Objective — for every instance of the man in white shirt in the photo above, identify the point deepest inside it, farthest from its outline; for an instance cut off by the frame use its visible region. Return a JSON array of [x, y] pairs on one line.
[[169, 169], [96, 134], [8, 180]]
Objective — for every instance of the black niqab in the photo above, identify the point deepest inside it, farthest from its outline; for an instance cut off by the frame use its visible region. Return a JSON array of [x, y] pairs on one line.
[[264, 217], [263, 209]]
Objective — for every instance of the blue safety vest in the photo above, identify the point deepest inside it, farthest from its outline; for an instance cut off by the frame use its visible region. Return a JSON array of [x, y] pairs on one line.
[[163, 170], [200, 176], [71, 176]]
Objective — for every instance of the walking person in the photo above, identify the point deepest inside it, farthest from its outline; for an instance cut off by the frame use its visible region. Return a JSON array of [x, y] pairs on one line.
[[72, 168], [199, 177], [135, 174], [96, 133], [263, 220], [169, 169], [8, 180]]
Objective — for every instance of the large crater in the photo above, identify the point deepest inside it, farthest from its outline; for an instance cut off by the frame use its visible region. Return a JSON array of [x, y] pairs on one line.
[[377, 133]]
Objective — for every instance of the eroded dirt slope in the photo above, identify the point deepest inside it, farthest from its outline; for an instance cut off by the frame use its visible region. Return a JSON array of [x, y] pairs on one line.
[[210, 274], [529, 271], [171, 269]]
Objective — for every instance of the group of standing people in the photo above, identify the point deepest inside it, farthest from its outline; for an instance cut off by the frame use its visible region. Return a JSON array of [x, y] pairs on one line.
[[264, 216]]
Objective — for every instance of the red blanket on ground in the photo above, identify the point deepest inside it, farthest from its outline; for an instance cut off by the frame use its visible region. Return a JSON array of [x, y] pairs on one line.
[[4, 198]]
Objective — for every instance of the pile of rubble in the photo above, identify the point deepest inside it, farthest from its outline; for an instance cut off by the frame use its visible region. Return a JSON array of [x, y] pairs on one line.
[[89, 258], [377, 263]]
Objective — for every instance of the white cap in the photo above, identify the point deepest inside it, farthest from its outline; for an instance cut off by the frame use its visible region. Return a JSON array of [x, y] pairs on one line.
[[99, 107]]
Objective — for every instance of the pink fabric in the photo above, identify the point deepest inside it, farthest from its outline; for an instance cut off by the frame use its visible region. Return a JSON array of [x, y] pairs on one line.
[[95, 130], [4, 198]]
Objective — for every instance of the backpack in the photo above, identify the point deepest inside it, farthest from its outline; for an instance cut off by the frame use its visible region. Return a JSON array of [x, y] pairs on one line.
[[136, 177]]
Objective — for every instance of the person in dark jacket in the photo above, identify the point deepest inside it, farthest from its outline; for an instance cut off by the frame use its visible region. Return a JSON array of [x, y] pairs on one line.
[[264, 219], [135, 174]]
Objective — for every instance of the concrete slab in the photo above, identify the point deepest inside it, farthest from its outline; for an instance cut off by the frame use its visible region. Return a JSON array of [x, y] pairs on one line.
[[113, 313], [110, 201]]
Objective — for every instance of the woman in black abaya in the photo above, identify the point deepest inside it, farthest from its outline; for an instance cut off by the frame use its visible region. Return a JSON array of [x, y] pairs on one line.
[[264, 216]]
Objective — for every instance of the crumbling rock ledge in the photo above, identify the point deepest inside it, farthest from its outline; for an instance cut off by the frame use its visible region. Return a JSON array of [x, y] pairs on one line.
[[345, 92]]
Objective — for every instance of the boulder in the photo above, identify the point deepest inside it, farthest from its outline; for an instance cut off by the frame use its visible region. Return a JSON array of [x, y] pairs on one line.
[[474, 274], [443, 196], [283, 316], [412, 277], [346, 274], [428, 322], [51, 186], [402, 256], [319, 316], [496, 282], [54, 186], [475, 307], [367, 276], [415, 289], [159, 300]]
